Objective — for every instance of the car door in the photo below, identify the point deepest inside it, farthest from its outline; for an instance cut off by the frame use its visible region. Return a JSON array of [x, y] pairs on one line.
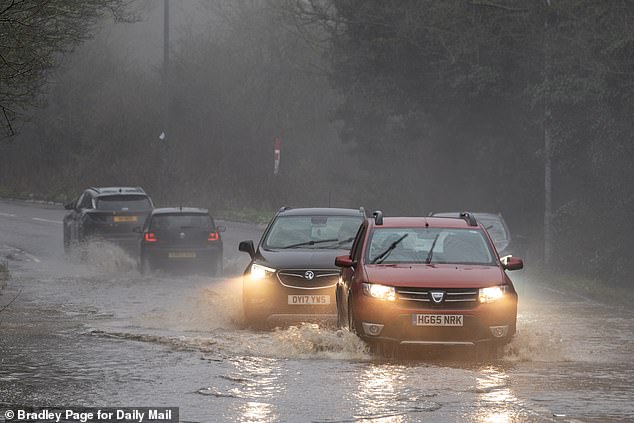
[[84, 203], [70, 220], [348, 274]]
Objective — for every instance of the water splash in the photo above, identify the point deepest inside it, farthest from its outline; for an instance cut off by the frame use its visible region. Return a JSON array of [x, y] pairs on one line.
[[215, 305], [536, 342], [310, 340], [105, 256]]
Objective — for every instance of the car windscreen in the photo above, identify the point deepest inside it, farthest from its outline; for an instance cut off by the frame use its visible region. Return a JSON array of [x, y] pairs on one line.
[[124, 203], [316, 232], [429, 245], [179, 221]]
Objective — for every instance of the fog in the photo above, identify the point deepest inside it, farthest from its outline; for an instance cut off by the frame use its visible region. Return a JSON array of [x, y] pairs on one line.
[[385, 107]]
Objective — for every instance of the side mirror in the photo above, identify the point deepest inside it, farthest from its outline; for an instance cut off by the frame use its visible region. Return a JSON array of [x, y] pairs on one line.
[[343, 261], [512, 263], [221, 228], [247, 247], [69, 206], [137, 229]]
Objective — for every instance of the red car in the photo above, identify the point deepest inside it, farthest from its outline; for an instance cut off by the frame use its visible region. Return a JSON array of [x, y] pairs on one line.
[[427, 281]]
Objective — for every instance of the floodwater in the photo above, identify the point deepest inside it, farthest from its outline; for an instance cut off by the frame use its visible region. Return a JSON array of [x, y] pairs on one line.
[[97, 333]]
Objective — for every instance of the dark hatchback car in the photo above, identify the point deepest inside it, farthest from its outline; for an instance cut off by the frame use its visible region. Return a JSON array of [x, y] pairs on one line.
[[108, 214], [292, 274], [184, 238]]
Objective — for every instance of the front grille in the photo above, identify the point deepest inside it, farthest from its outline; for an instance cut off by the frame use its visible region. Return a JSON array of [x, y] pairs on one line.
[[296, 278], [454, 298]]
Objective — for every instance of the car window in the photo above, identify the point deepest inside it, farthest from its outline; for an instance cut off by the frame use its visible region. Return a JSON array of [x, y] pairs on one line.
[[124, 203], [181, 221], [312, 232], [450, 245], [497, 231], [85, 201]]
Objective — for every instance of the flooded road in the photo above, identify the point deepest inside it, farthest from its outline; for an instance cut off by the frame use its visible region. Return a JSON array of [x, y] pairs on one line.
[[100, 334]]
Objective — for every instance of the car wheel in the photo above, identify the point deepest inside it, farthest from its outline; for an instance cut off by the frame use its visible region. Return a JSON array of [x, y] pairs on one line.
[[144, 266], [67, 242], [385, 349], [216, 267], [254, 320], [341, 321], [488, 351], [353, 325]]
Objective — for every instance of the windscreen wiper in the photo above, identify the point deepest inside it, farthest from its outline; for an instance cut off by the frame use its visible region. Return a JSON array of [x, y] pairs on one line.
[[344, 241], [431, 250], [379, 259], [311, 242]]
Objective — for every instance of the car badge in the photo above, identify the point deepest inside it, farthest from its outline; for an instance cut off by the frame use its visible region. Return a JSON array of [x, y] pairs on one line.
[[437, 296], [182, 234], [310, 275]]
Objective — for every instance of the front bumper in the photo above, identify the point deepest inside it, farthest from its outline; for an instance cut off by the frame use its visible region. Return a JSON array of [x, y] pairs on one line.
[[268, 300], [392, 322]]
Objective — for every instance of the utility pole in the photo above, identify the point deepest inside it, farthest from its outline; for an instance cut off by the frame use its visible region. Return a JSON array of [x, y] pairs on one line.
[[166, 98], [548, 142]]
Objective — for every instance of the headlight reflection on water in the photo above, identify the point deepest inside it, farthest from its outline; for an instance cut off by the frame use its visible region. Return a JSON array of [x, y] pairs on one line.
[[261, 384], [257, 412], [496, 397], [379, 387]]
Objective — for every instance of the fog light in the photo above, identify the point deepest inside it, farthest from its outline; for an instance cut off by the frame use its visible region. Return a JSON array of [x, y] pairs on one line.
[[499, 331], [372, 329]]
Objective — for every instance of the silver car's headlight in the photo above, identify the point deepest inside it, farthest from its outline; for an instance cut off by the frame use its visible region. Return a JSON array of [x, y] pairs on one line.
[[381, 292], [491, 294], [259, 272]]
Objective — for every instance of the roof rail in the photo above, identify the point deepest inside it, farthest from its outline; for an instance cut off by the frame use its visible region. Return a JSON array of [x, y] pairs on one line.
[[284, 208], [362, 211], [378, 217], [469, 218], [94, 189]]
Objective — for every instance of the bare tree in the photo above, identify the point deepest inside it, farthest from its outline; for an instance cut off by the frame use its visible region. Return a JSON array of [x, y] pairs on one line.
[[32, 34]]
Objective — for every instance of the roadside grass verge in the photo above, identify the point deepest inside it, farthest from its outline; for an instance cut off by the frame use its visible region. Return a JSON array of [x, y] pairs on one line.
[[260, 217], [595, 289]]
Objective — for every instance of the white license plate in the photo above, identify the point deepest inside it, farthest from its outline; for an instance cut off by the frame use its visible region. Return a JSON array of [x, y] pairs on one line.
[[437, 319], [309, 299], [119, 219], [182, 254]]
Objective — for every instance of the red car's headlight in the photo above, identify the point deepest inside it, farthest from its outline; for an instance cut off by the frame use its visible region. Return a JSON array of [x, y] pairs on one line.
[[381, 292], [491, 294]]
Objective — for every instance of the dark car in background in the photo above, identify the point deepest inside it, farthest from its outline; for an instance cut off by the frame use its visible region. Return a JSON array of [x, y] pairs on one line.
[[292, 273], [183, 238], [496, 226], [108, 214]]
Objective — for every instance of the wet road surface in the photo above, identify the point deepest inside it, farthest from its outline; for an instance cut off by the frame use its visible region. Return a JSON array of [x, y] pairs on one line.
[[97, 333]]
